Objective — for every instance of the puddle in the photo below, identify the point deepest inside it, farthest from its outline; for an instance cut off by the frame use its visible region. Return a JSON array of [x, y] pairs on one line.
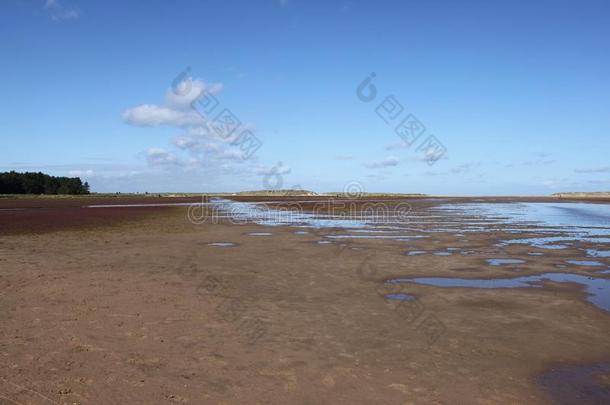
[[416, 252], [535, 253], [301, 233], [598, 288], [577, 384], [584, 263], [400, 297], [500, 262], [221, 244], [324, 242], [549, 242], [598, 253], [260, 234], [442, 253], [541, 243]]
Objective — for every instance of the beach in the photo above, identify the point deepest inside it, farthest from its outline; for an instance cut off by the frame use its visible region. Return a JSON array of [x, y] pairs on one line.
[[224, 303]]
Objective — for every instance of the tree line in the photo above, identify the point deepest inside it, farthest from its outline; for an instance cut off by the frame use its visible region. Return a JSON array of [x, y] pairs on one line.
[[40, 183]]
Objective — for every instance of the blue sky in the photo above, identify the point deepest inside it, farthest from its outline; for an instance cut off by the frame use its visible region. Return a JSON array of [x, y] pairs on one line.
[[517, 92]]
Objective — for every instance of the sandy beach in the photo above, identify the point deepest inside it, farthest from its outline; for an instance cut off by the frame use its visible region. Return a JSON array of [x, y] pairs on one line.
[[142, 305]]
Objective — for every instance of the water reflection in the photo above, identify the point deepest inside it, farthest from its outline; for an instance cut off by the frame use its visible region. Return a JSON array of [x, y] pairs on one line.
[[598, 288]]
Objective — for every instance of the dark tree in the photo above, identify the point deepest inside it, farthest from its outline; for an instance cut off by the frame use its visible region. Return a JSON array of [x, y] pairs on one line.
[[40, 183]]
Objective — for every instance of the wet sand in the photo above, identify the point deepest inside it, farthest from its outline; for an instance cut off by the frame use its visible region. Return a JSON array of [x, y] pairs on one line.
[[143, 306]]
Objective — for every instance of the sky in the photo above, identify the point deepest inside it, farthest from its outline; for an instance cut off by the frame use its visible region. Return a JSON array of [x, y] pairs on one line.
[[415, 96]]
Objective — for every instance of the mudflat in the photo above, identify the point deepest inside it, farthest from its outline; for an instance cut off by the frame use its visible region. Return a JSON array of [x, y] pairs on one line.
[[146, 305]]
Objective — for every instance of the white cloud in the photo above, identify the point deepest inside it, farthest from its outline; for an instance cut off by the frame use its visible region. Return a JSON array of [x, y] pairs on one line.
[[278, 169], [459, 169], [81, 173], [160, 157], [150, 115], [389, 161], [176, 111], [183, 94], [604, 169], [539, 159], [201, 146], [59, 12], [185, 142], [395, 146], [220, 151]]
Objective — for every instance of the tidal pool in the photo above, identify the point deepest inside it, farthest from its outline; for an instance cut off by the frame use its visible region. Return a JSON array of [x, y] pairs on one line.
[[400, 297], [500, 262], [584, 262], [549, 226], [416, 252], [568, 221], [598, 253], [598, 288], [222, 244]]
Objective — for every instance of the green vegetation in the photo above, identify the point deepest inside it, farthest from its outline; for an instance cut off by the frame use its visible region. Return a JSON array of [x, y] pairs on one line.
[[40, 183]]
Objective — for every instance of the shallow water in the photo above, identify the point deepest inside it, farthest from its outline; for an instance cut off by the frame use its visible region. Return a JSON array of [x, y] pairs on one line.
[[416, 252], [500, 262], [584, 262], [598, 253], [572, 221], [400, 297], [222, 244], [549, 226], [290, 214], [555, 215], [552, 222], [577, 384], [598, 288], [550, 242]]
